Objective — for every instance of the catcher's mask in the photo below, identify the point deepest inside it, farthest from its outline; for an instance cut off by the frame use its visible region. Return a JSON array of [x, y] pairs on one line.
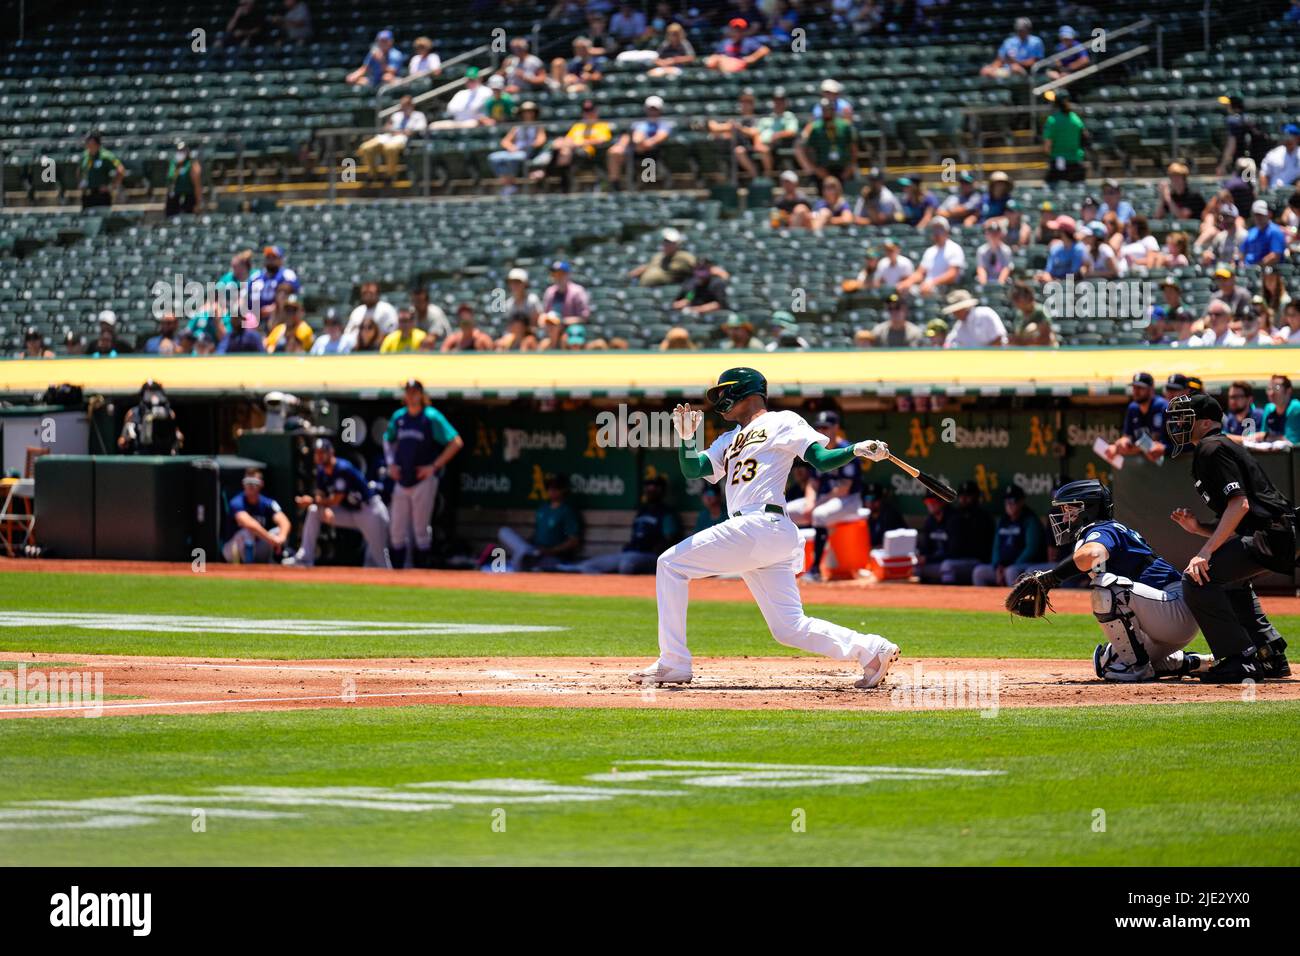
[[1182, 415], [733, 385], [1076, 505]]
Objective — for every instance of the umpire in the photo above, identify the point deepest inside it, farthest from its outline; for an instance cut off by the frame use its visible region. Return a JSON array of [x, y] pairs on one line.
[[1255, 533]]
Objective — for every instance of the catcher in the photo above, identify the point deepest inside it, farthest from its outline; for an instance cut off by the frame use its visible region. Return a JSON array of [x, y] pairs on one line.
[[1137, 596]]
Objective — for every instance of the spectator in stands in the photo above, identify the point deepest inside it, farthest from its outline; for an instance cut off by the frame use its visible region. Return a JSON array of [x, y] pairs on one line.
[[965, 205], [1065, 140], [406, 337], [184, 183], [602, 41], [1112, 200], [428, 316], [1288, 333], [775, 130], [1177, 198], [522, 71], [1281, 167], [1272, 287], [1065, 255], [582, 72], [1139, 250], [500, 105], [1244, 140], [367, 335], [994, 260], [1068, 39], [1265, 242], [565, 299], [522, 304], [998, 195], [247, 338], [263, 283], [740, 134], [295, 22], [1017, 53], [674, 53], [261, 528], [521, 145], [518, 336], [896, 331], [831, 209], [557, 532], [711, 510], [1175, 310], [785, 333], [34, 345], [1242, 416], [1018, 543], [108, 335], [828, 148], [738, 50], [1143, 431], [919, 204], [942, 264], [425, 62], [791, 209], [372, 307], [974, 326], [468, 337], [740, 336], [1033, 326], [466, 107], [406, 122], [1018, 232], [1218, 322], [704, 292], [830, 101], [892, 268], [877, 205], [644, 140], [164, 341], [671, 264], [655, 528], [331, 340], [1282, 413], [244, 26], [629, 26], [1177, 251], [292, 327], [1236, 298], [101, 173], [382, 65], [580, 143], [1220, 242]]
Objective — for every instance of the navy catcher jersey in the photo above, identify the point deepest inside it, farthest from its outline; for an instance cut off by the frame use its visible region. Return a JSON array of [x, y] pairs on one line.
[[851, 472], [415, 440], [347, 480], [1130, 555]]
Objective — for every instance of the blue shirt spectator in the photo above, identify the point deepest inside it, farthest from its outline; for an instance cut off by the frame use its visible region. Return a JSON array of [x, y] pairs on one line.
[[1112, 201], [1021, 48], [1264, 238], [1064, 260]]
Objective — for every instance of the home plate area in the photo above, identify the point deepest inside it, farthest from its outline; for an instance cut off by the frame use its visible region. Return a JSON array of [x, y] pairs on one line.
[[143, 685]]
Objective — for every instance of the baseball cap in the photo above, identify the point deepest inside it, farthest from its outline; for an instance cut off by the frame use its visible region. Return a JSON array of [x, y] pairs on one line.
[[738, 23], [1223, 272], [108, 317], [998, 176], [471, 73], [1067, 32], [966, 176], [735, 321], [1171, 281], [1110, 184], [496, 82], [1291, 129], [252, 480], [273, 251], [1143, 378], [1098, 229], [672, 235], [779, 93], [654, 102], [1259, 208], [831, 86], [1177, 380], [577, 334], [1089, 201], [826, 418], [561, 265], [1177, 169], [411, 383], [384, 35], [969, 487], [790, 176], [332, 316], [1228, 209], [323, 444], [1013, 492], [292, 300], [1195, 384], [1066, 223], [1159, 313], [895, 300], [941, 222]]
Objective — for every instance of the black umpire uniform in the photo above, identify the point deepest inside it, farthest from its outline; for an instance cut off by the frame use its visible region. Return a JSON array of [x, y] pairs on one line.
[[1244, 641]]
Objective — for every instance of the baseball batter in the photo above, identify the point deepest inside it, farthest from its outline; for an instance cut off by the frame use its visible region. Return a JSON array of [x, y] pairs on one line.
[[1137, 597], [418, 444], [344, 499], [757, 540]]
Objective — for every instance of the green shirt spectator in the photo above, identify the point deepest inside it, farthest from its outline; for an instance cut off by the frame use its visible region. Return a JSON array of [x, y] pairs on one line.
[[831, 147], [776, 124], [1063, 132], [500, 107], [101, 172]]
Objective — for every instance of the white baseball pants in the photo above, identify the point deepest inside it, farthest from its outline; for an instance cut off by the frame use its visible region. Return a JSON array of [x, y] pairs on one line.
[[763, 549], [412, 514], [371, 519]]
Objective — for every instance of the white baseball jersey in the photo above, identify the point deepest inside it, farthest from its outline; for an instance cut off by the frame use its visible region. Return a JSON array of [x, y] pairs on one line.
[[755, 461]]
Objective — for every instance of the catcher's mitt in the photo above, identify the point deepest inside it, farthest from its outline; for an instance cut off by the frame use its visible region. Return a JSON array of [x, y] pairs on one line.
[[1028, 597]]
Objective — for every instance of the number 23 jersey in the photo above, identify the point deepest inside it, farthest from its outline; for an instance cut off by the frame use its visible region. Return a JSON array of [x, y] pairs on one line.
[[753, 463]]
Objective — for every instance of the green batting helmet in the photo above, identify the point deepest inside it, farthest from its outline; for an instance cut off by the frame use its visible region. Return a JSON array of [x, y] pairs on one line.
[[733, 385]]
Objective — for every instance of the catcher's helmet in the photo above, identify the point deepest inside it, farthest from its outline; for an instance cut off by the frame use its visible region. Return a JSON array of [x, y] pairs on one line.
[[1077, 504], [733, 385]]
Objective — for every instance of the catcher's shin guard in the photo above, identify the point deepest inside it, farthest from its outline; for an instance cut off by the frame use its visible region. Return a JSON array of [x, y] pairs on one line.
[[1127, 660]]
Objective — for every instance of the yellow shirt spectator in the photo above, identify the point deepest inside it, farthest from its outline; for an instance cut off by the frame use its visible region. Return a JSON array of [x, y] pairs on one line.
[[302, 332], [587, 136], [403, 341]]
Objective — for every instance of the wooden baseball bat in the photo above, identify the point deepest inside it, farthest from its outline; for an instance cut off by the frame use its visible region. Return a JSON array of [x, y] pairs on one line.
[[937, 485]]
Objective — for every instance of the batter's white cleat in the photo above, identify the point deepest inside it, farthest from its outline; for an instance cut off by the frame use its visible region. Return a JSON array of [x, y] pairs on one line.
[[658, 673], [876, 667]]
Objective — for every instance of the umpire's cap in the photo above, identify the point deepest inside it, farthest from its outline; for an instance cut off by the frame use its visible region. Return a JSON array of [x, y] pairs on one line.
[[733, 385]]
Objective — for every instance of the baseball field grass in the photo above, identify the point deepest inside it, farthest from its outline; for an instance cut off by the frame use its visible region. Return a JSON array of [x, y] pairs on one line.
[[1169, 784]]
